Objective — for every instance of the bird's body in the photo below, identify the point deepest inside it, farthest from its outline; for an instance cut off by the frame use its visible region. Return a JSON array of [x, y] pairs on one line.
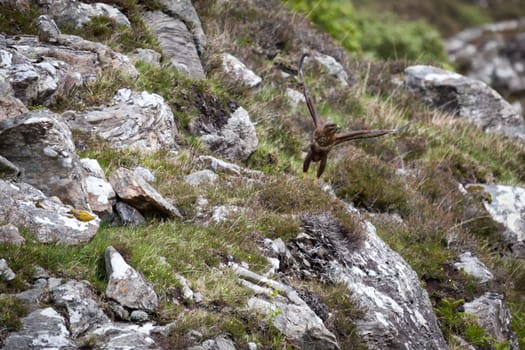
[[326, 134]]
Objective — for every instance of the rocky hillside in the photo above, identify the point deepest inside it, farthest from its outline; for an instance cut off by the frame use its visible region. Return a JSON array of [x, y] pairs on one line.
[[152, 195]]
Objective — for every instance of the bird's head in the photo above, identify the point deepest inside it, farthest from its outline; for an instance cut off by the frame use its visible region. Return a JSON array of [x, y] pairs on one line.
[[331, 128]]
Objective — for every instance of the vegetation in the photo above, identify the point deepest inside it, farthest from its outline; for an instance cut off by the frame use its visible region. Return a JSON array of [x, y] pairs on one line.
[[408, 181]]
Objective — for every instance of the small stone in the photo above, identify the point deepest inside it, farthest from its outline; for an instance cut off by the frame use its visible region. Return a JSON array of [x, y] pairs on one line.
[[5, 271], [138, 316], [9, 234]]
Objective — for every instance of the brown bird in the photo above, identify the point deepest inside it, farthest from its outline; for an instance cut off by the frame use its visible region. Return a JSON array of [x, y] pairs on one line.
[[326, 133]]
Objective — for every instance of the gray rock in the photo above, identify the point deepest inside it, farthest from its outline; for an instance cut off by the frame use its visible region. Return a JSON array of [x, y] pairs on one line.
[[120, 336], [147, 56], [48, 31], [333, 67], [221, 166], [146, 174], [467, 98], [6, 273], [41, 329], [224, 213], [119, 310], [234, 140], [135, 191], [202, 177], [43, 146], [184, 10], [138, 316], [81, 306], [10, 105], [474, 267], [506, 205], [286, 311], [398, 312], [176, 42], [295, 97], [133, 120], [9, 234], [100, 194], [36, 294], [492, 53], [126, 285], [77, 14], [128, 215], [24, 206], [238, 71], [494, 316]]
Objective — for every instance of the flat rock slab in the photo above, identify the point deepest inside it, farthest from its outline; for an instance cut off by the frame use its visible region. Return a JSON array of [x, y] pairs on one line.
[[137, 192], [126, 285], [25, 206], [77, 14]]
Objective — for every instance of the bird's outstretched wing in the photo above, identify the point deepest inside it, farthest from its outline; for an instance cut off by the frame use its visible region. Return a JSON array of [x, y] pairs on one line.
[[308, 98], [365, 134]]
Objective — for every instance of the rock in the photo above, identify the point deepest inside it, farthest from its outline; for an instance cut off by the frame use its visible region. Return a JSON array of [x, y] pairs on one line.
[[133, 120], [398, 312], [81, 306], [48, 31], [238, 71], [35, 294], [492, 53], [176, 42], [135, 191], [219, 165], [10, 105], [494, 316], [184, 10], [220, 343], [128, 215], [146, 174], [202, 177], [41, 329], [43, 146], [100, 194], [187, 293], [126, 285], [119, 310], [333, 67], [8, 170], [76, 14], [236, 139], [472, 266], [506, 205], [6, 273], [147, 56], [286, 311], [38, 72], [24, 206], [467, 98], [138, 316], [9, 234], [295, 97], [120, 336], [224, 213]]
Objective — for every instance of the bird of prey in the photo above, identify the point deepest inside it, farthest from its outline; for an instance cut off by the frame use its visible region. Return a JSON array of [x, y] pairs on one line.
[[327, 134]]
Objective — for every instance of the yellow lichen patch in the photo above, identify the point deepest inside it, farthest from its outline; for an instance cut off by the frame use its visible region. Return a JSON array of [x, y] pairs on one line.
[[81, 215]]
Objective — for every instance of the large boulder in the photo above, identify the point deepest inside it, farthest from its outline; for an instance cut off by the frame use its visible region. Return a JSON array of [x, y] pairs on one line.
[[22, 205], [76, 13], [506, 205], [126, 286], [176, 43], [398, 313], [42, 146], [233, 137], [492, 53], [467, 98], [132, 120]]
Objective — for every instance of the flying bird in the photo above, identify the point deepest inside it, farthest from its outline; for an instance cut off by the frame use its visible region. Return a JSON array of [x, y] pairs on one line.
[[327, 134]]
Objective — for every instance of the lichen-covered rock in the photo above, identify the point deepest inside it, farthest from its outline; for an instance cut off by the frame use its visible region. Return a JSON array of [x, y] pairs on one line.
[[42, 329], [137, 192], [333, 67], [202, 177], [238, 70], [82, 309], [43, 147], [9, 234], [24, 206], [234, 139], [10, 105], [494, 316], [126, 285], [287, 311], [100, 194], [133, 120], [120, 336], [467, 98], [6, 273], [506, 205], [176, 43], [146, 55], [398, 313], [76, 13], [474, 267]]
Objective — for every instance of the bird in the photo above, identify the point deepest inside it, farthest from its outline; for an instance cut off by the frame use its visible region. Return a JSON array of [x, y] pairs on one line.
[[327, 134]]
